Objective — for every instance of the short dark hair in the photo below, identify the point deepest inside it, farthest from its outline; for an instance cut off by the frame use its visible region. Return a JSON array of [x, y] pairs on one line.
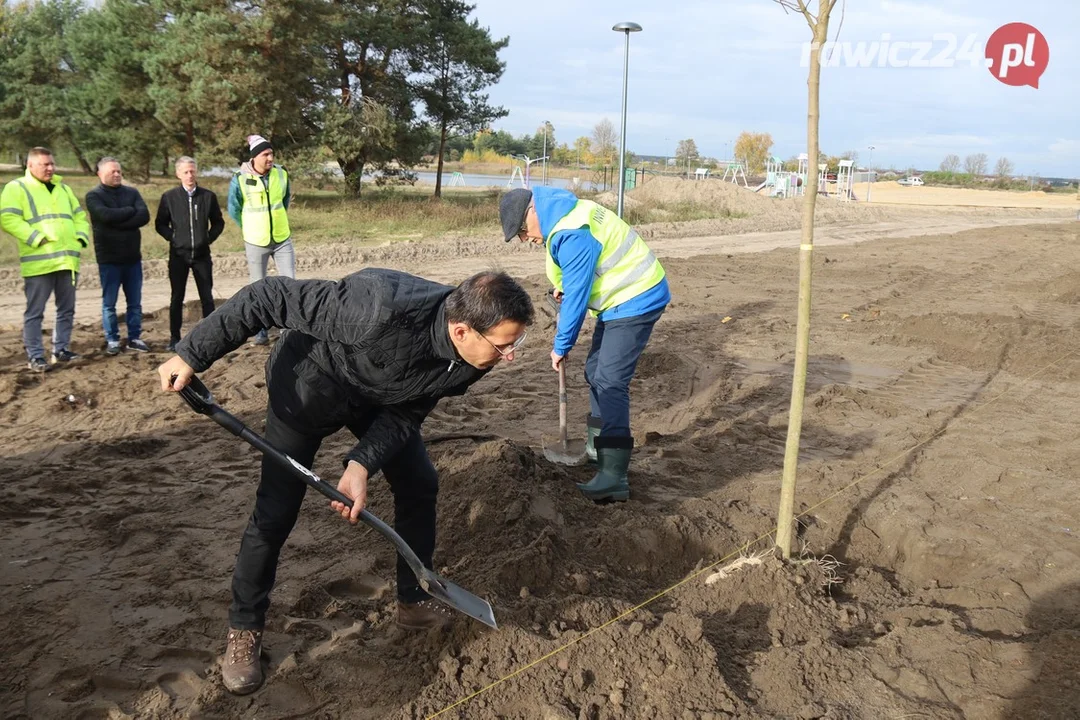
[[38, 152], [487, 299]]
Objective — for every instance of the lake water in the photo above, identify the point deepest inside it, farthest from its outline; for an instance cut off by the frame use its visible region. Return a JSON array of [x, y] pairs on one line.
[[499, 181], [467, 179]]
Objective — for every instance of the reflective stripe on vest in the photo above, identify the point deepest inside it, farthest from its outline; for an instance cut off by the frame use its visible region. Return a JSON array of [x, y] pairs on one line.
[[626, 267], [52, 244], [48, 256], [263, 215]]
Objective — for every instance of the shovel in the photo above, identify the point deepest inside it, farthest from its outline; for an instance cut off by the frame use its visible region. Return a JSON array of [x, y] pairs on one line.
[[201, 401], [565, 452]]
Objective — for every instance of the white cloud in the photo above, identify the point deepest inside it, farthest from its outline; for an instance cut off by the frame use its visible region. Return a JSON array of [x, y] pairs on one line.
[[707, 69], [1065, 147]]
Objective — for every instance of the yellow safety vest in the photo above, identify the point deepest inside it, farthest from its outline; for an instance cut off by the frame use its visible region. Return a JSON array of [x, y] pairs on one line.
[[51, 227], [263, 216], [626, 266]]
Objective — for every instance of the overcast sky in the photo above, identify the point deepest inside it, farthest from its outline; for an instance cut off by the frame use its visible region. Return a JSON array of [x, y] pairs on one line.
[[708, 70]]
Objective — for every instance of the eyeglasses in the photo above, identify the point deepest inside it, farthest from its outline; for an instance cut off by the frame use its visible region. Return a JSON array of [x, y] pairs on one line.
[[505, 350]]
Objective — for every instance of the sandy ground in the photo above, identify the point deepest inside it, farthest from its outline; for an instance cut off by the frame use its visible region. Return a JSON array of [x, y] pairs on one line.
[[938, 462], [892, 192]]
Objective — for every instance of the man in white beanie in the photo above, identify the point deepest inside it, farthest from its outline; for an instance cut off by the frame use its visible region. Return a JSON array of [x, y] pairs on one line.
[[259, 203]]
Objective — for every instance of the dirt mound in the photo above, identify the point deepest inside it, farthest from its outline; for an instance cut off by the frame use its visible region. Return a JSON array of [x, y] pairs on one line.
[[725, 197]]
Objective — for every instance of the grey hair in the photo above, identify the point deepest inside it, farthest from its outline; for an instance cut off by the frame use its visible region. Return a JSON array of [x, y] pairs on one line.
[[108, 159], [184, 160]]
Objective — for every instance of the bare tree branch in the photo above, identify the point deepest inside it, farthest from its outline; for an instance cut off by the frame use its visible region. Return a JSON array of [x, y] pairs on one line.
[[836, 39], [797, 6], [843, 14]]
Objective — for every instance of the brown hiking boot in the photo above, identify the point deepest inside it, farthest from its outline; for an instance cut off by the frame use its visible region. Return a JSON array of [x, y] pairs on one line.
[[241, 670], [423, 615]]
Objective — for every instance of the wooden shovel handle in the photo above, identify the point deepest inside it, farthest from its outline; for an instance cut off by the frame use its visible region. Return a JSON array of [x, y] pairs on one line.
[[562, 404]]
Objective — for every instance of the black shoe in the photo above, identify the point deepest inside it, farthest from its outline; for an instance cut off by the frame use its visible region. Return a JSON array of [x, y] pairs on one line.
[[171, 347], [137, 345], [65, 356], [39, 365]]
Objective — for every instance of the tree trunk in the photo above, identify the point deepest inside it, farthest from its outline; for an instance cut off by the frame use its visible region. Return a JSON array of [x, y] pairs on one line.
[[786, 515], [165, 164], [439, 167], [189, 137], [353, 170], [79, 154]]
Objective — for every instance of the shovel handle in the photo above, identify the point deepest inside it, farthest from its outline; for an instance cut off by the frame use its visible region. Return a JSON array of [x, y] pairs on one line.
[[562, 404], [201, 401], [555, 305]]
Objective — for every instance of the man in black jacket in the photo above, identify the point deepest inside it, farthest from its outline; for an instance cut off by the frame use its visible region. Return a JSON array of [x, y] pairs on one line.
[[373, 352], [190, 220], [116, 214]]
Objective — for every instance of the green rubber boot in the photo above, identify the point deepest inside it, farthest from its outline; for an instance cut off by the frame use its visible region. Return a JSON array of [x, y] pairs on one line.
[[610, 482], [592, 429]]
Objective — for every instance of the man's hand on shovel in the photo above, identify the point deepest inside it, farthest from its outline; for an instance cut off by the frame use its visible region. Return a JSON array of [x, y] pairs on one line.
[[175, 374], [354, 484], [555, 299]]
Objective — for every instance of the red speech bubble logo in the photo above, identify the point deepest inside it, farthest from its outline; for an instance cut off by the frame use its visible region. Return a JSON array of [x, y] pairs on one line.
[[1017, 54]]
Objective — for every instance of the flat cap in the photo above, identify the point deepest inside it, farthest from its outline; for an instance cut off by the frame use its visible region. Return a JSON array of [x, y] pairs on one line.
[[512, 209]]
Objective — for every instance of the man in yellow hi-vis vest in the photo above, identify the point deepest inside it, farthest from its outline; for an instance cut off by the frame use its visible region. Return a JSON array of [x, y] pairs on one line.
[[598, 265], [44, 216], [259, 203]]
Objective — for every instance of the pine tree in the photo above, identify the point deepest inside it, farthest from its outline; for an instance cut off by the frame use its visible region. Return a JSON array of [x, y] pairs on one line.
[[454, 65], [38, 70]]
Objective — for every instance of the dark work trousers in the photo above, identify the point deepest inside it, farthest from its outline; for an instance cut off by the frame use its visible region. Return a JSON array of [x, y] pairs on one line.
[[613, 357], [202, 269], [412, 479]]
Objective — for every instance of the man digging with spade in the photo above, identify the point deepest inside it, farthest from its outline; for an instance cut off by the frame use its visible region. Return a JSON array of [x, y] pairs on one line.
[[597, 264], [373, 352]]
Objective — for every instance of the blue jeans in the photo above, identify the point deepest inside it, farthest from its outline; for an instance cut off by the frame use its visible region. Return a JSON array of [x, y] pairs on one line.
[[128, 276], [613, 357]]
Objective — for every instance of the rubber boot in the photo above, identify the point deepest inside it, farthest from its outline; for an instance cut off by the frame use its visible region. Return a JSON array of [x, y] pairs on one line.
[[592, 429], [613, 460]]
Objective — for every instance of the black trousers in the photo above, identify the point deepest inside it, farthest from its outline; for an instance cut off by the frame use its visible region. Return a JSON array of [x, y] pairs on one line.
[[413, 481], [202, 269]]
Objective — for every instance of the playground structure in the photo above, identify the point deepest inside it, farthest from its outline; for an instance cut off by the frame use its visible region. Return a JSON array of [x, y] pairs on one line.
[[784, 183], [844, 187], [516, 174], [735, 170], [457, 180]]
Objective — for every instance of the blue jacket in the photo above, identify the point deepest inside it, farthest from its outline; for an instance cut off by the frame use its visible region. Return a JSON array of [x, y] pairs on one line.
[[576, 253]]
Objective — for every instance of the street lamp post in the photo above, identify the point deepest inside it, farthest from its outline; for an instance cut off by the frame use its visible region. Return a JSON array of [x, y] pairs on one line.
[[870, 173], [545, 151], [625, 28]]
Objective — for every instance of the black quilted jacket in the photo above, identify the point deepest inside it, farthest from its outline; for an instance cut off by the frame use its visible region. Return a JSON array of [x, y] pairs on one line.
[[371, 352]]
